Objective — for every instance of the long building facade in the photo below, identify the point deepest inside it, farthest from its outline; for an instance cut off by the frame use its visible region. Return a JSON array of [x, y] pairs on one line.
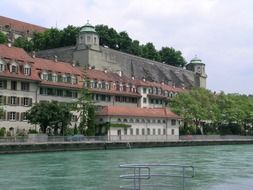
[[26, 80]]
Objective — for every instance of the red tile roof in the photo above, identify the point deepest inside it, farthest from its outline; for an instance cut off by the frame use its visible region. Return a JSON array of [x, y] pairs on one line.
[[137, 112], [61, 67], [114, 92], [14, 53], [20, 26]]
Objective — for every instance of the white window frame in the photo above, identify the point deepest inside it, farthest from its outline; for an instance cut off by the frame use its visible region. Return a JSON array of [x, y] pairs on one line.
[[26, 101], [27, 70], [13, 100], [13, 116]]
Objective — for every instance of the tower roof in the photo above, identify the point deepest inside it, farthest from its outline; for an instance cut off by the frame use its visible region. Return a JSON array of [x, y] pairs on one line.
[[196, 60], [88, 28]]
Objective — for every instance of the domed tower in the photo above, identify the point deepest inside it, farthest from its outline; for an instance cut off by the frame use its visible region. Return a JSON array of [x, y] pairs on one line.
[[197, 66], [87, 38]]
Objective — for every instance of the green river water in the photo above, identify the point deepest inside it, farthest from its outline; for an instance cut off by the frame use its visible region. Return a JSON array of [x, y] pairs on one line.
[[228, 167]]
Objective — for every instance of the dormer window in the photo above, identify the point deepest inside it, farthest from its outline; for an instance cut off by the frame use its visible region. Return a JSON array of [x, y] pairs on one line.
[[44, 76], [54, 77], [27, 70], [2, 67], [68, 79], [64, 78], [74, 80], [13, 68]]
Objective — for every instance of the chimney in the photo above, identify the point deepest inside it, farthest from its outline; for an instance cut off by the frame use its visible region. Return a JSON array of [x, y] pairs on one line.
[[132, 77], [56, 58], [162, 82], [9, 44], [74, 63], [143, 78], [105, 70], [119, 73], [33, 54]]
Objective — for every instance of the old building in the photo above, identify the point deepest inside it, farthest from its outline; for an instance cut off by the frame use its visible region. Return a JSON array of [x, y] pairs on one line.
[[26, 80], [15, 28]]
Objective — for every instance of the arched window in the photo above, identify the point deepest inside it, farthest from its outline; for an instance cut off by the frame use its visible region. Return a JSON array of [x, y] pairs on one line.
[[44, 75], [27, 70], [14, 68]]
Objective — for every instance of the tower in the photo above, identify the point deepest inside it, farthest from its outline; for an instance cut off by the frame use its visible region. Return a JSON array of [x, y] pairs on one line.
[[198, 67], [87, 38]]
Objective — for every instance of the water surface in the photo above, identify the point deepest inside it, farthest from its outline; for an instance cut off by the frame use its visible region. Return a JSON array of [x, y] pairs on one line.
[[228, 167]]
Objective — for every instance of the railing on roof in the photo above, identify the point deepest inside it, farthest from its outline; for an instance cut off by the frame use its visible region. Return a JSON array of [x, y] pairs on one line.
[[156, 176]]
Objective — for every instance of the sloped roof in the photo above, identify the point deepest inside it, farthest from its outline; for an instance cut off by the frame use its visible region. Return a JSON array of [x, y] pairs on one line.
[[137, 112], [20, 26]]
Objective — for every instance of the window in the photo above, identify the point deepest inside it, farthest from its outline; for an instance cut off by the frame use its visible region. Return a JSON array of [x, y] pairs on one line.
[[54, 77], [44, 76], [23, 116], [59, 78], [43, 91], [131, 120], [143, 131], [154, 132], [13, 100], [164, 121], [95, 40], [125, 120], [59, 92], [74, 118], [25, 86], [173, 122], [74, 94], [12, 116], [131, 131], [26, 101], [64, 78], [2, 67], [158, 121], [164, 131], [144, 90], [13, 85], [148, 131], [74, 80], [68, 79], [14, 68], [125, 131], [119, 120], [159, 131], [172, 131], [137, 120], [3, 84], [137, 131], [27, 70], [144, 100]]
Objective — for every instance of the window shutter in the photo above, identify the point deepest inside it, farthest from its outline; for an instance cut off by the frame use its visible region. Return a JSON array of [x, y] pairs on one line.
[[22, 101], [30, 102], [8, 115], [4, 100], [4, 116], [22, 116], [17, 101], [17, 116], [9, 100]]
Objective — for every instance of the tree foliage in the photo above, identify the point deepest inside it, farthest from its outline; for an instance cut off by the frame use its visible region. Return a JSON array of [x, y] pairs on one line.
[[55, 115], [24, 43], [3, 38], [216, 113]]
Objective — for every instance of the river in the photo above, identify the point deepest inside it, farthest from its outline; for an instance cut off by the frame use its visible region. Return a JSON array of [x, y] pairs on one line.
[[228, 167]]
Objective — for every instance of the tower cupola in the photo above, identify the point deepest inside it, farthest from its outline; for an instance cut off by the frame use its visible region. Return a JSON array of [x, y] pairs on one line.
[[87, 38]]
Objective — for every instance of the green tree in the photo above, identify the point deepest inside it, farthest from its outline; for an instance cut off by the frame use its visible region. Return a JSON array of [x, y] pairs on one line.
[[69, 35], [108, 36], [149, 52], [136, 48], [50, 114], [124, 42], [3, 38], [85, 107], [172, 57], [23, 42]]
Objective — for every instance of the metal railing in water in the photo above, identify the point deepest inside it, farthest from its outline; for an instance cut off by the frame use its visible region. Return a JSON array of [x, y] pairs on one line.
[[153, 176]]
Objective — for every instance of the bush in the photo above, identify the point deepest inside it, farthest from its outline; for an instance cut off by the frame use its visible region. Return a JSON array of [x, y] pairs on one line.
[[32, 131], [2, 132]]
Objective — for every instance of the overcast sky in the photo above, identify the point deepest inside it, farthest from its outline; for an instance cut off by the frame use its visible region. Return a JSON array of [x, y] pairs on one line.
[[220, 32]]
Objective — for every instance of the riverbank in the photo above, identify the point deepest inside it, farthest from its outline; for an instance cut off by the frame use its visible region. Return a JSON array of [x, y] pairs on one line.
[[105, 145]]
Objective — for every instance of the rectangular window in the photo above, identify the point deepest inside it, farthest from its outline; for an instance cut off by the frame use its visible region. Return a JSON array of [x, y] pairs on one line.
[[131, 131], [12, 116], [143, 131], [125, 131], [1, 67], [74, 118], [59, 92], [159, 131], [144, 90], [13, 85], [172, 131], [74, 94], [13, 100], [154, 132], [25, 86], [164, 131], [26, 101], [27, 71], [144, 100], [3, 84], [103, 97], [173, 122], [14, 69], [137, 131]]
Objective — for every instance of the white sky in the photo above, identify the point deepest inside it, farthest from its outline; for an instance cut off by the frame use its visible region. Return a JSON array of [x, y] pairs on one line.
[[220, 32]]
